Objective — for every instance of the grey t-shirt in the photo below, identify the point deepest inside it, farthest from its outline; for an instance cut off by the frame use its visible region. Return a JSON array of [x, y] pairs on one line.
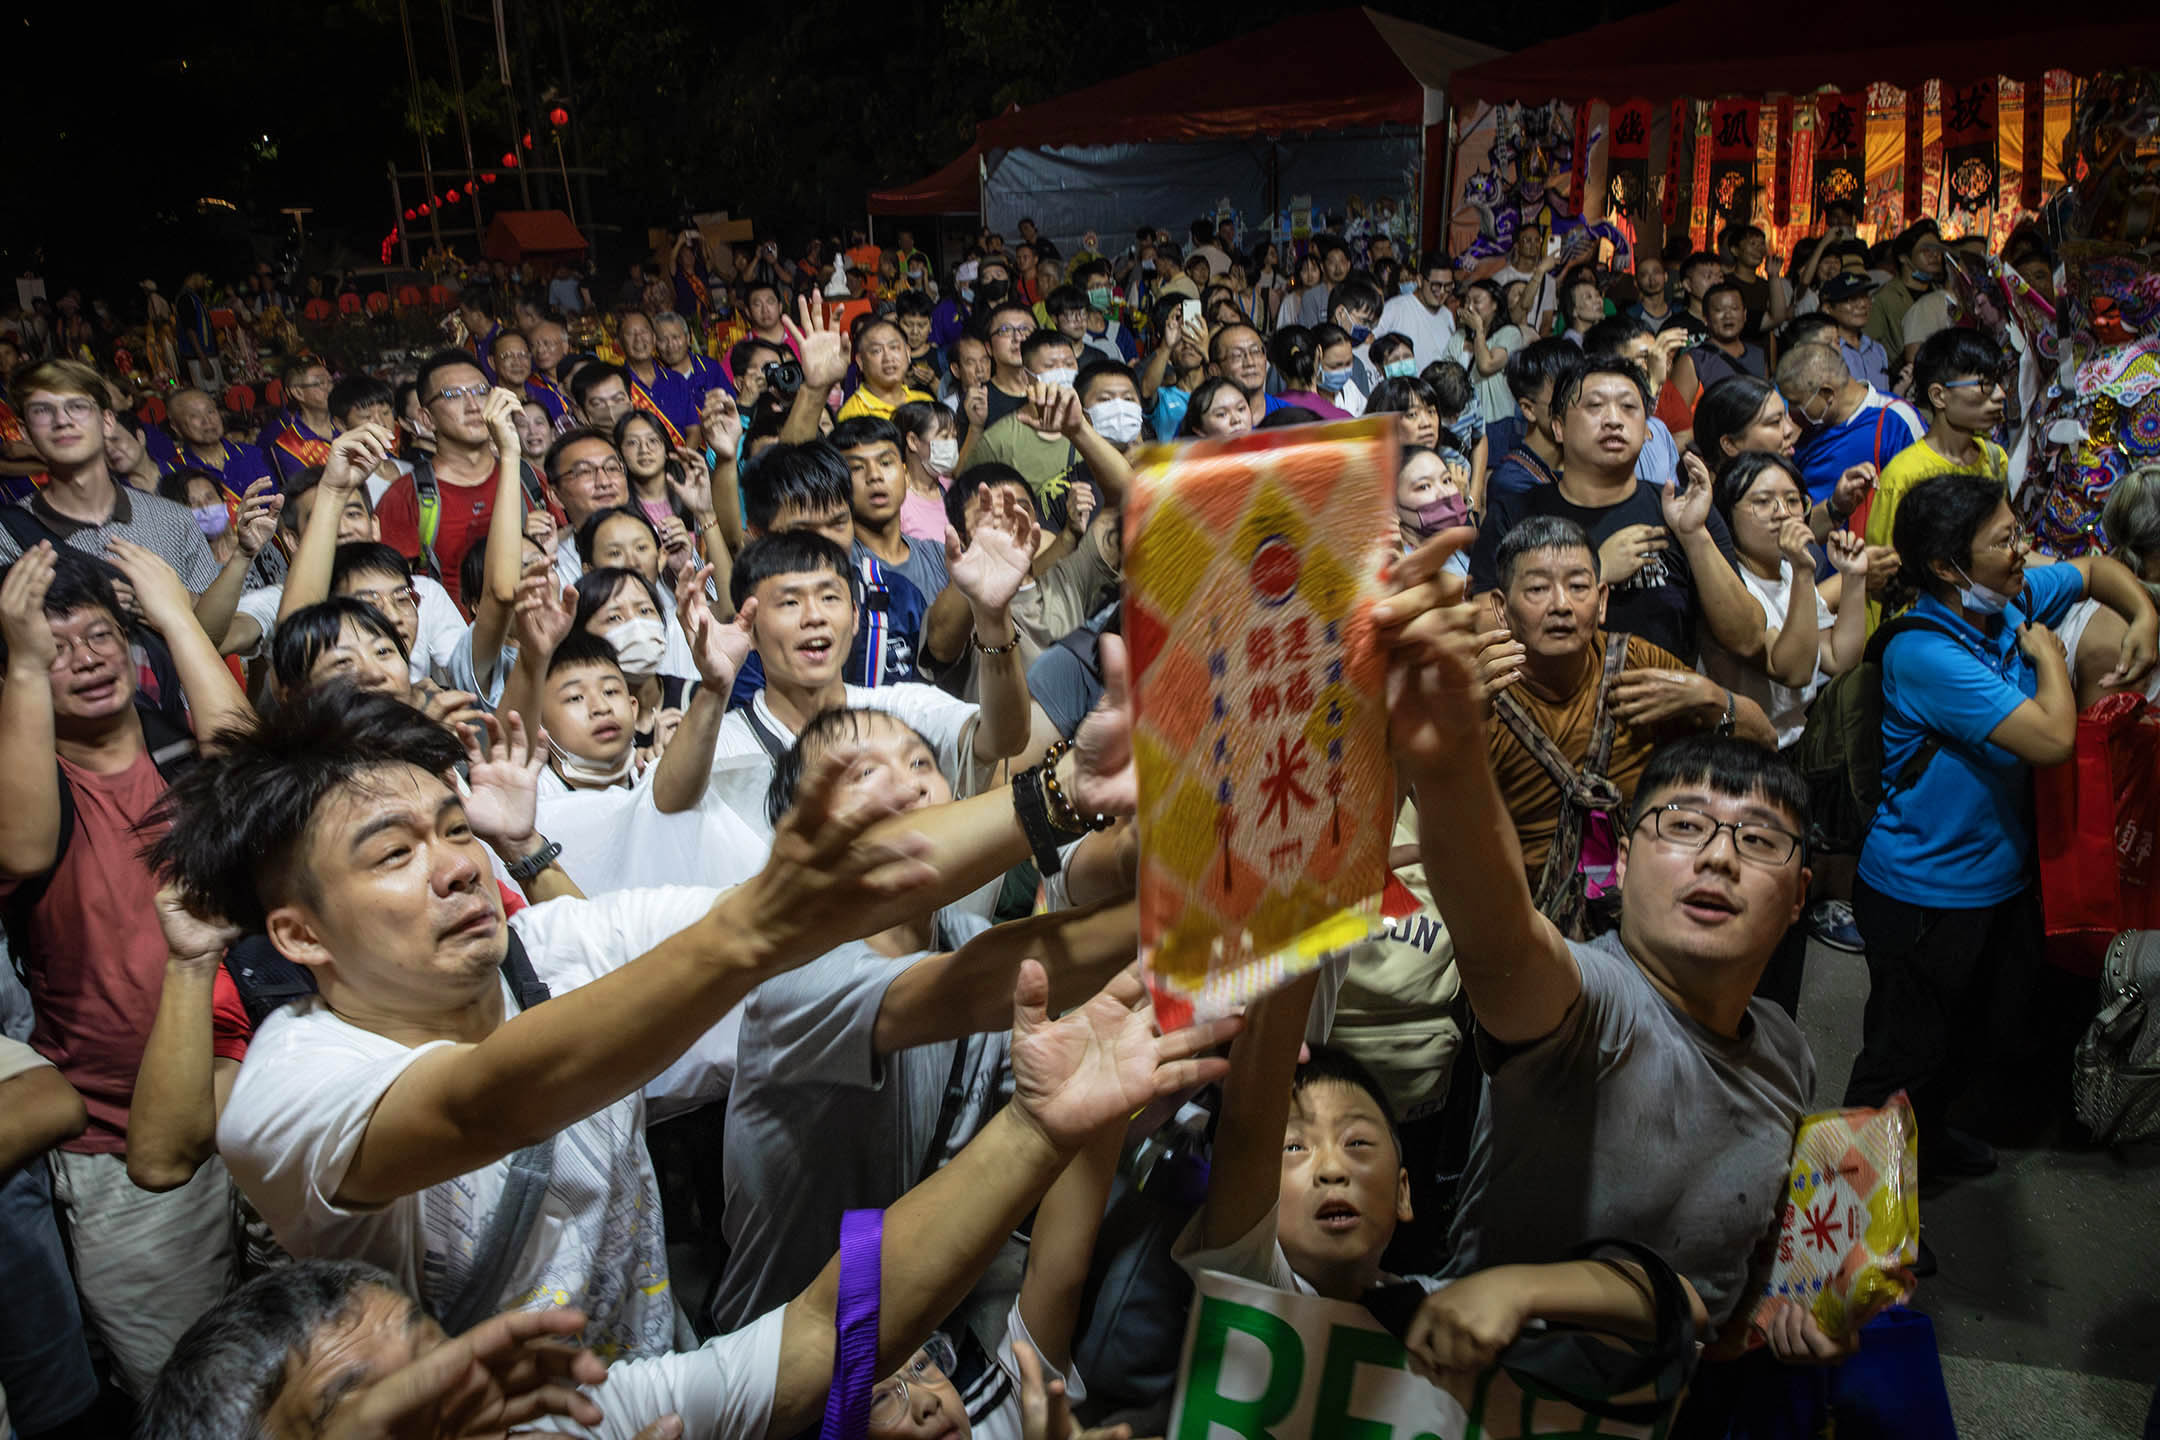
[[1632, 1120], [819, 1123], [925, 569]]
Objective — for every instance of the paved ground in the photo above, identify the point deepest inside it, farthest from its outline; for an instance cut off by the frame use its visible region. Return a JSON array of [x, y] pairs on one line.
[[2047, 1307]]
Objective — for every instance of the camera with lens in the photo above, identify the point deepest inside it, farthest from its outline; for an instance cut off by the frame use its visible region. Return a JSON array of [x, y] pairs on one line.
[[784, 377]]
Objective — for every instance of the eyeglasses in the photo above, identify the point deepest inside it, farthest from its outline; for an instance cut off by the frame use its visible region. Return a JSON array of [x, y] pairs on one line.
[[462, 392], [1004, 331], [2019, 538], [1778, 504], [1245, 352], [934, 1362], [584, 471], [1687, 829], [45, 415], [97, 640], [320, 382], [1982, 383], [402, 597]]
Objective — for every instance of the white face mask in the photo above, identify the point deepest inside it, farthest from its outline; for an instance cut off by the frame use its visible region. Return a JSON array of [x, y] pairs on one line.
[[585, 773], [638, 646], [1981, 598], [1117, 421], [1062, 375], [944, 455]]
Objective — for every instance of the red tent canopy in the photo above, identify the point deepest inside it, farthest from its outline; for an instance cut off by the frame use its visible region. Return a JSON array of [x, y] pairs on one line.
[[1332, 71], [515, 235], [954, 190], [1691, 49]]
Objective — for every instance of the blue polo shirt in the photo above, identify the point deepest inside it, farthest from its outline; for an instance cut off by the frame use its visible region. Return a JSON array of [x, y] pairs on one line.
[[1961, 837], [1882, 426]]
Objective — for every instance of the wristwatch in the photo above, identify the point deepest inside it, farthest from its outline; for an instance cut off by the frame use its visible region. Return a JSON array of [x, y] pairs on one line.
[[1725, 722], [530, 867]]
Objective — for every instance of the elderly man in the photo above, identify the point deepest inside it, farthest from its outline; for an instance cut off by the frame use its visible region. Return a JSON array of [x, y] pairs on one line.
[[199, 428], [1844, 421]]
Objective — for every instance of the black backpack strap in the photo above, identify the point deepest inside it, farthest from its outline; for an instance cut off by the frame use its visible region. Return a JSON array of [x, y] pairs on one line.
[[770, 740], [1592, 1372], [517, 968], [267, 980]]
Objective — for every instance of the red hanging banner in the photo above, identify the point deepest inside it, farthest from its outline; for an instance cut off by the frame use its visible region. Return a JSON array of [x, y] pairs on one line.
[[1733, 137], [1840, 140], [1699, 195], [1781, 150], [1800, 171], [1627, 160], [1675, 155], [1969, 116]]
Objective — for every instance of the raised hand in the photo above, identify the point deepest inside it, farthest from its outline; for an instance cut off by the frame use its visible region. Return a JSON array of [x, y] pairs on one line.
[[1434, 636], [486, 1383], [354, 456], [717, 647], [24, 624], [1104, 779], [544, 614], [1852, 488], [721, 418], [1098, 1064], [1849, 554], [189, 938], [164, 600], [540, 528], [1079, 509], [502, 788], [824, 869], [1796, 542], [977, 405], [500, 410], [999, 554], [455, 710], [694, 490], [259, 511], [1686, 502], [1627, 550], [822, 345], [1500, 662], [1054, 411], [675, 548]]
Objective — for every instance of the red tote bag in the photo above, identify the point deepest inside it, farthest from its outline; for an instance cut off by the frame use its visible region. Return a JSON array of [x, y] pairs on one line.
[[2098, 823]]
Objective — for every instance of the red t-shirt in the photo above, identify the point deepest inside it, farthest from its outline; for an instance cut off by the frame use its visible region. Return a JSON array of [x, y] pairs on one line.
[[462, 521], [96, 957]]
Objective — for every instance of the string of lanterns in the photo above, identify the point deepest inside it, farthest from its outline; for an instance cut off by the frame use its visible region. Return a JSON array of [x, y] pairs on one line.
[[558, 117]]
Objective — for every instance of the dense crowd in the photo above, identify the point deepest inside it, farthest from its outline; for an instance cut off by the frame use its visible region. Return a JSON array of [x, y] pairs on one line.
[[614, 798]]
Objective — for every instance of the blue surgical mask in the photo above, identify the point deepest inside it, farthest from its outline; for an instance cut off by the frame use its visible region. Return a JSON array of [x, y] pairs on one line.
[[1333, 381], [1407, 287], [1981, 598], [1359, 334], [1399, 369]]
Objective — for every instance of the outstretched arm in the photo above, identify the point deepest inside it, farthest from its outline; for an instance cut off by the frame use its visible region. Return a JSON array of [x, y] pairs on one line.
[[214, 699], [1520, 976], [29, 773], [1245, 1174], [719, 648], [353, 457], [1090, 1068], [959, 993]]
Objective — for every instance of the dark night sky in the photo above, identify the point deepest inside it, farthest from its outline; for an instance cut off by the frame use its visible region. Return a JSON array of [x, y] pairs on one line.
[[125, 118]]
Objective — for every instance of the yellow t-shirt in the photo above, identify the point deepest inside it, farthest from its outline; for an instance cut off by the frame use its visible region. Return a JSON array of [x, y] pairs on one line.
[[862, 402], [1917, 462]]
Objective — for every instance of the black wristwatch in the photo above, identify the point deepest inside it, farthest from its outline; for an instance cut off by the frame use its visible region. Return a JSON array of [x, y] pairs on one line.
[[530, 867]]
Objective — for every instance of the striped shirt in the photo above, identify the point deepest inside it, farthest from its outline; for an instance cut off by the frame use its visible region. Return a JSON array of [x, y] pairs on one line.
[[151, 521]]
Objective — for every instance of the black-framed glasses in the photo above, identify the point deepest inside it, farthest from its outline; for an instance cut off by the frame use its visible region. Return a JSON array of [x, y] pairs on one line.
[[1686, 828]]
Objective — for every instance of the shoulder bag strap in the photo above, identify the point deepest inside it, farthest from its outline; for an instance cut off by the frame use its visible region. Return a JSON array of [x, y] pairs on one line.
[[948, 1110], [769, 740], [429, 494], [524, 1189], [855, 1338], [1593, 1373]]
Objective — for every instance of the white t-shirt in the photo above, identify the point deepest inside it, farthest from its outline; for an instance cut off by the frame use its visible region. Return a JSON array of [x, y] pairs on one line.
[[1002, 1419], [1258, 1256], [303, 1098], [1429, 332], [1925, 316], [2072, 630], [1787, 707], [438, 638], [742, 771], [723, 1390], [617, 838]]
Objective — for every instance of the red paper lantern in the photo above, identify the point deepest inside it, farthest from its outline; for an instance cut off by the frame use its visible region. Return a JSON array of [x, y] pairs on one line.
[[423, 207], [528, 139], [411, 214], [487, 177], [452, 197], [509, 159], [558, 117]]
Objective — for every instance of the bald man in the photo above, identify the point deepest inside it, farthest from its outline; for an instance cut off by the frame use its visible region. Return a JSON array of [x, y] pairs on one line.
[[1844, 421], [198, 429]]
